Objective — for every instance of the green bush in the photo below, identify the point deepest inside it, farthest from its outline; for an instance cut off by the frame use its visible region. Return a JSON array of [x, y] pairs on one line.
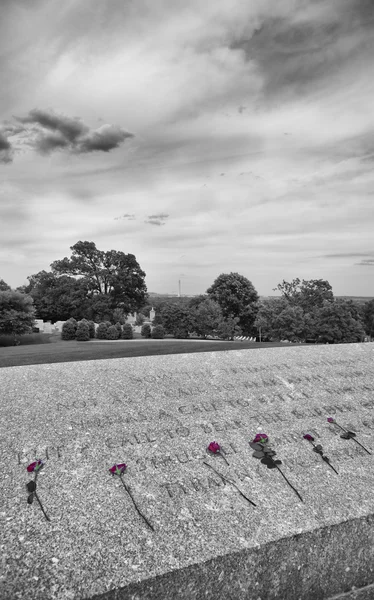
[[108, 323], [68, 330], [146, 330], [127, 332], [91, 325], [101, 331], [119, 327], [112, 333], [83, 332], [158, 332]]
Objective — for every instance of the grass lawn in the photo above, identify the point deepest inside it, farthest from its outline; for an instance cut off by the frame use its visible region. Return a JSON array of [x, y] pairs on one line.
[[53, 350]]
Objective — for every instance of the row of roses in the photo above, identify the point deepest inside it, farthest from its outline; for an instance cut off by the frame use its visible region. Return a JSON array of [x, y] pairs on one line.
[[260, 445], [262, 450]]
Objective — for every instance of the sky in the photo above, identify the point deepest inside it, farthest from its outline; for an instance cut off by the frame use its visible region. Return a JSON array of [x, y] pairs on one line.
[[202, 137]]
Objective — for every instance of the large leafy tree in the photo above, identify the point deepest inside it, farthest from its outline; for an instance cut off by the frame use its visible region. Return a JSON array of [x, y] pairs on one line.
[[207, 317], [17, 314], [289, 324], [177, 320], [335, 324], [306, 294], [237, 297], [113, 274], [58, 298]]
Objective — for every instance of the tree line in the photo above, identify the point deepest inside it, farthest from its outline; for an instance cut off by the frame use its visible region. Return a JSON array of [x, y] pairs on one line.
[[108, 286]]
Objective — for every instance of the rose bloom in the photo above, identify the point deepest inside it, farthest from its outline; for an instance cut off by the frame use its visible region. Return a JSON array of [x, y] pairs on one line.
[[35, 466], [330, 420], [309, 437], [214, 447], [117, 468], [261, 438]]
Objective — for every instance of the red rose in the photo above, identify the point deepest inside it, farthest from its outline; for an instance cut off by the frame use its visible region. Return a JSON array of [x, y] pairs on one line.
[[35, 466], [214, 447], [118, 469], [309, 437], [331, 420], [261, 438]]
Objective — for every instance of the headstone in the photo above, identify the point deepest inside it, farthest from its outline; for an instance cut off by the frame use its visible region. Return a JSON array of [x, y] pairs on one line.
[[158, 414], [58, 325], [39, 323]]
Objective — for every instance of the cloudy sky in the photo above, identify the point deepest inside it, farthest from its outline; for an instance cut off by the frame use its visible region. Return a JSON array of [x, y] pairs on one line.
[[203, 137]]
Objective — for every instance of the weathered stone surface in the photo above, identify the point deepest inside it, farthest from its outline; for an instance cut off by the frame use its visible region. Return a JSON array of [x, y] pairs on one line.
[[158, 414]]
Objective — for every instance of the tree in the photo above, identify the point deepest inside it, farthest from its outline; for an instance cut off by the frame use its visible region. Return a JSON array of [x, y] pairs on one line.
[[17, 314], [177, 320], [309, 295], [112, 333], [4, 287], [57, 298], [140, 318], [236, 296], [146, 330], [197, 300], [113, 274], [158, 332], [335, 324], [268, 311], [119, 316], [83, 331], [228, 328], [207, 317], [127, 332], [289, 324], [368, 317]]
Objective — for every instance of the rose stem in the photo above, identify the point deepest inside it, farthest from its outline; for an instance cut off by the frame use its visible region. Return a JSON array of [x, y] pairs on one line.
[[228, 481], [283, 475], [131, 496], [41, 506], [328, 462], [224, 457], [357, 442]]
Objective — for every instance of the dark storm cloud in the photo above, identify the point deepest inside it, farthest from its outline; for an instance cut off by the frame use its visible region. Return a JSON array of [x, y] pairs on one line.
[[46, 131], [106, 138], [4, 143], [5, 149], [69, 128]]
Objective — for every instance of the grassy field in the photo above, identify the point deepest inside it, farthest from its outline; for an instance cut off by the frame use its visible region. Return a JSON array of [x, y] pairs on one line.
[[53, 350]]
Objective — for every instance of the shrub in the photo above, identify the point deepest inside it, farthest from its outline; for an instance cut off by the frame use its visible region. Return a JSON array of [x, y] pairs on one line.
[[101, 331], [127, 333], [146, 330], [91, 326], [112, 333], [119, 327], [68, 331], [83, 332], [180, 333], [158, 332]]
